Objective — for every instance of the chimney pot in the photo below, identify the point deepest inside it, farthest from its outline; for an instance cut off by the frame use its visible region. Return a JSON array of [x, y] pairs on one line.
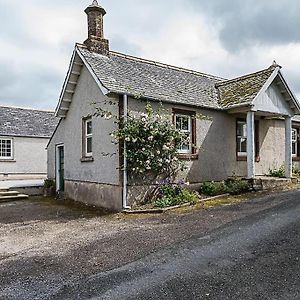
[[96, 41]]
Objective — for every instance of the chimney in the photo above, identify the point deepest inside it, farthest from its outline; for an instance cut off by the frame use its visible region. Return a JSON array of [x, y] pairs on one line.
[[96, 41]]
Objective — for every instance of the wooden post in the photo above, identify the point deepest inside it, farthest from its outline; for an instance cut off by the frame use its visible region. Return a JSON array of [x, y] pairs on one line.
[[288, 148], [250, 145]]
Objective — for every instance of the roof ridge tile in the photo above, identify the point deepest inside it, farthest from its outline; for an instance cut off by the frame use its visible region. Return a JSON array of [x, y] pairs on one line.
[[247, 76]]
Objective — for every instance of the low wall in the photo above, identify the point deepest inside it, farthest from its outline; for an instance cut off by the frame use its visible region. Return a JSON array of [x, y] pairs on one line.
[[22, 176], [29, 190], [137, 193], [96, 194]]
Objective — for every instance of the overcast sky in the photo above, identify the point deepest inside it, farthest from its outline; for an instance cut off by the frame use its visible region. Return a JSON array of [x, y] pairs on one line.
[[224, 38]]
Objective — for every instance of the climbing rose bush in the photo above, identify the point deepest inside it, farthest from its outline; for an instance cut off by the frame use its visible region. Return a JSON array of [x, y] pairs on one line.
[[151, 141]]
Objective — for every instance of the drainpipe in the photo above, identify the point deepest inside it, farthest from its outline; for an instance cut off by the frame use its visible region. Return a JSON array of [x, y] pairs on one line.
[[125, 175]]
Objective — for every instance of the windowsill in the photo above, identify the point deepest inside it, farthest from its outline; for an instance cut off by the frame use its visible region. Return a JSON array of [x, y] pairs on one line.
[[241, 158], [7, 160], [87, 159], [187, 156], [244, 158]]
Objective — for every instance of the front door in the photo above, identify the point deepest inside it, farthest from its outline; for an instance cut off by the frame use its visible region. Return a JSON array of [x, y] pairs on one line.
[[60, 168]]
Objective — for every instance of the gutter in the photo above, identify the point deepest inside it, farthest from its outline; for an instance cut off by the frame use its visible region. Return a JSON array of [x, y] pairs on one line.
[[125, 174]]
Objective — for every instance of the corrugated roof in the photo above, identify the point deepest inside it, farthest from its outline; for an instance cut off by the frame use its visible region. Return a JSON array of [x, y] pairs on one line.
[[26, 122]]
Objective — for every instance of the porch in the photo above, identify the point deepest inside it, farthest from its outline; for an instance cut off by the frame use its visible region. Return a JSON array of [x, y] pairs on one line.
[[249, 143], [274, 101]]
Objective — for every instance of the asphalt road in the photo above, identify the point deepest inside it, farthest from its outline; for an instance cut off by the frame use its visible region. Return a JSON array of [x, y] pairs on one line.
[[256, 257]]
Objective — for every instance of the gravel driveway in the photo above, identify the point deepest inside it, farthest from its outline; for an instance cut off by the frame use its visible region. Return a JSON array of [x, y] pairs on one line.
[[46, 245]]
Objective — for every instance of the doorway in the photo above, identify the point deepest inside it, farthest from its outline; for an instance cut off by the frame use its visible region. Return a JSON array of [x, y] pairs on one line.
[[60, 168]]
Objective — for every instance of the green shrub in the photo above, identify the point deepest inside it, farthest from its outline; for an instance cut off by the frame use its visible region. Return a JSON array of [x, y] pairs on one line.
[[231, 186], [163, 202], [280, 172], [296, 171], [48, 183], [237, 186], [212, 188], [174, 194]]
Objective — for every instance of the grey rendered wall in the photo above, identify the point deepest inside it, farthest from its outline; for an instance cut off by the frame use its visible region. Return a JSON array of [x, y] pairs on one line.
[[272, 145], [217, 141], [104, 169], [29, 161]]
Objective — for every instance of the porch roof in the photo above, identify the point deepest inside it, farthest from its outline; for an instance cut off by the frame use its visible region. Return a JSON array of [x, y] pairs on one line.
[[243, 90]]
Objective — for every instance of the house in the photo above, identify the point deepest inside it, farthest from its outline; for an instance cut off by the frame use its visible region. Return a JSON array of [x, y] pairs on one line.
[[249, 130], [24, 134]]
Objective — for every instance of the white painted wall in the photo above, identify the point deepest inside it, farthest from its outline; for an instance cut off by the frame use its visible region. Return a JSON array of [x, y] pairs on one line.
[[272, 101], [29, 161], [104, 169]]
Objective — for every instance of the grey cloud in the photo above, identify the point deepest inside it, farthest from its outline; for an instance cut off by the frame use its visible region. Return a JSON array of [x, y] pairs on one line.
[[13, 27], [246, 23], [292, 77], [37, 88], [121, 44], [243, 23]]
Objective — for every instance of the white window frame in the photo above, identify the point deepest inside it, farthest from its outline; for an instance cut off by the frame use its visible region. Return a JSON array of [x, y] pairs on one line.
[[244, 136], [87, 136], [11, 157], [295, 141], [189, 132]]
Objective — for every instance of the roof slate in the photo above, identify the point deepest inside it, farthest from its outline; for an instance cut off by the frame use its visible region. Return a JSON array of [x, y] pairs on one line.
[[243, 90], [121, 74], [126, 74], [26, 122]]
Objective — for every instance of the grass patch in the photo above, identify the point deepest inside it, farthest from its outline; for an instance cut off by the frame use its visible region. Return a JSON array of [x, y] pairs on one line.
[[220, 202]]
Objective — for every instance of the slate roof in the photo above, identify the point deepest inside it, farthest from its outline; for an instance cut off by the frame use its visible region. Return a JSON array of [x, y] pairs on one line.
[[243, 90], [26, 122], [121, 73]]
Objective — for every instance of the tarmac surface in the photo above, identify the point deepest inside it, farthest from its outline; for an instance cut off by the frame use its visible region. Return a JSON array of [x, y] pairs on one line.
[[250, 250]]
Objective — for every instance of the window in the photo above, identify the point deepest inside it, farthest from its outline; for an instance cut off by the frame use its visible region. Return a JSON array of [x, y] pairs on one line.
[[295, 149], [241, 136], [6, 148], [241, 140], [88, 137], [184, 124]]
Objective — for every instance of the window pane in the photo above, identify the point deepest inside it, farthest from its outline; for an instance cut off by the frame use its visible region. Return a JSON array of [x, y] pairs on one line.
[[242, 129], [89, 128], [178, 123], [89, 148], [243, 145], [294, 135], [185, 147], [5, 148], [294, 149], [185, 123]]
